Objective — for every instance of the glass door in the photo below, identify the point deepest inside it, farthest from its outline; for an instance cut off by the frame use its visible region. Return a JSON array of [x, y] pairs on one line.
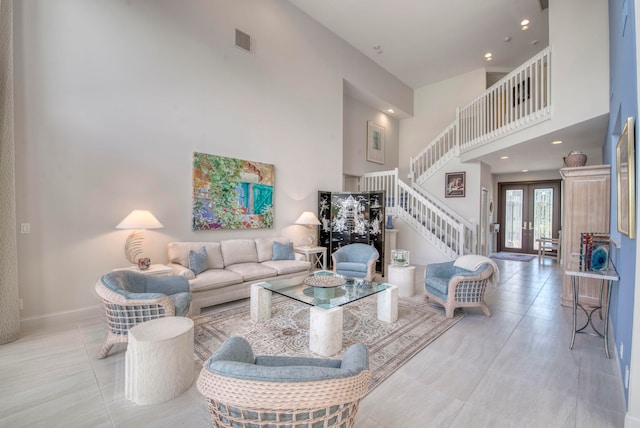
[[528, 211]]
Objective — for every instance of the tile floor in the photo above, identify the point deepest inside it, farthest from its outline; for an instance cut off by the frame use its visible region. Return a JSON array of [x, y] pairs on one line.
[[514, 369]]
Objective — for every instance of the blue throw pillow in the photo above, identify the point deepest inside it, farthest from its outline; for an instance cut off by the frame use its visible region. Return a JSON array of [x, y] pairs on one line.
[[283, 251], [198, 261]]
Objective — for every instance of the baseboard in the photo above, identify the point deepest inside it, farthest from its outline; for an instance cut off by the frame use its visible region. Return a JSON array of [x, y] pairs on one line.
[[61, 319], [631, 421]]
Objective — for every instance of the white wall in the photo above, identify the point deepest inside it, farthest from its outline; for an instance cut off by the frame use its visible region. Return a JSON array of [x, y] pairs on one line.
[[356, 114], [435, 109], [113, 97]]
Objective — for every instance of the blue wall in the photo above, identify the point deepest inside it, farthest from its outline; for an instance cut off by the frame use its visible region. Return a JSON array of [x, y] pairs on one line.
[[623, 104]]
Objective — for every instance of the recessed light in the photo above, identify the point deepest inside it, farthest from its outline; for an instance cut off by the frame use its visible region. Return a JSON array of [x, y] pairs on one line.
[[524, 22], [507, 39], [525, 170], [534, 42], [488, 55], [390, 111], [504, 157], [525, 28], [556, 142], [488, 59]]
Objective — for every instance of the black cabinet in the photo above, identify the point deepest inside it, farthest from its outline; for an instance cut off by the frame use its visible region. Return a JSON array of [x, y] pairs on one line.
[[349, 218]]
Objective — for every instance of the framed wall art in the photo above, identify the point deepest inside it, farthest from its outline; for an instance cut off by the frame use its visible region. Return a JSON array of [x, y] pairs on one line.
[[231, 193], [455, 183], [626, 178], [375, 143]]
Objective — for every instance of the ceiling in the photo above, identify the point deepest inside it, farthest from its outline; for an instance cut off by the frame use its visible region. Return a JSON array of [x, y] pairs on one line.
[[426, 41]]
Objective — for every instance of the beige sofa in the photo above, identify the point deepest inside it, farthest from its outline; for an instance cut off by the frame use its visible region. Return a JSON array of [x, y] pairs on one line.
[[231, 267]]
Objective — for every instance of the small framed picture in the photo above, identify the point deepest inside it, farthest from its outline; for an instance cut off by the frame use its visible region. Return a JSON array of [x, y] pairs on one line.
[[375, 143], [454, 183]]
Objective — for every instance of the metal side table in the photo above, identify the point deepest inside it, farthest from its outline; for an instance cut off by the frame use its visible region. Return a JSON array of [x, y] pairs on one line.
[[607, 276]]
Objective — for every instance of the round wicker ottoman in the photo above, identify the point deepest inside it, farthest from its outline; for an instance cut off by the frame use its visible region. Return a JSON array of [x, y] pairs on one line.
[[159, 360]]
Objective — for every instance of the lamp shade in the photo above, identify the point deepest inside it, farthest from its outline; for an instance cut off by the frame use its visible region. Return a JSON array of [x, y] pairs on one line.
[[139, 219], [308, 218]]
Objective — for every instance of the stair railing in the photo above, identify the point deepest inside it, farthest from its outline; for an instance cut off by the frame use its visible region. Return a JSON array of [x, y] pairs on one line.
[[430, 219], [519, 100]]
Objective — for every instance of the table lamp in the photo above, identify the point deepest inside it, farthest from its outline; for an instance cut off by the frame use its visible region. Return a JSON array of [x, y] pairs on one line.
[[139, 220], [309, 219]]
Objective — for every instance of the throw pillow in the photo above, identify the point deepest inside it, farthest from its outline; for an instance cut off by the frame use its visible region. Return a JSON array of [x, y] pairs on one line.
[[283, 251], [198, 261]]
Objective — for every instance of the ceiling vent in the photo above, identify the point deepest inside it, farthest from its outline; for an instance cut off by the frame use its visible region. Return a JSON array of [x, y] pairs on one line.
[[243, 40]]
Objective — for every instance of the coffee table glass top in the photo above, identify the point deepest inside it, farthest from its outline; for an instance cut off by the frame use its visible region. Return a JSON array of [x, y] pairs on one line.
[[324, 297]]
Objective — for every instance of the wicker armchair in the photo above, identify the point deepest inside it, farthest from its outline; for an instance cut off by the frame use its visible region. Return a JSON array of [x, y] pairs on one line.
[[131, 298], [456, 287], [274, 391], [356, 261]]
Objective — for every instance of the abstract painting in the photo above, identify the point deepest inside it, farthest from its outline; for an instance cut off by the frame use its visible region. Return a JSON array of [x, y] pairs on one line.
[[231, 193]]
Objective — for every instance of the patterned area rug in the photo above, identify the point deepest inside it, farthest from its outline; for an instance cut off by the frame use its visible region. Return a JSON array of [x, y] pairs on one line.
[[512, 256], [287, 332]]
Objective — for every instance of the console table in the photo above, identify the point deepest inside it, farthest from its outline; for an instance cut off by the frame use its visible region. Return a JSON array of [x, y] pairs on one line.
[[606, 278]]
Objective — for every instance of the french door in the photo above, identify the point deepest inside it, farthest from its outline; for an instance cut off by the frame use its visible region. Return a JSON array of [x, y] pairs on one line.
[[528, 211]]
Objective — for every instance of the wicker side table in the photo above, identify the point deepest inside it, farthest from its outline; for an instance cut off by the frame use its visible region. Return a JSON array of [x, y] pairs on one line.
[[159, 360]]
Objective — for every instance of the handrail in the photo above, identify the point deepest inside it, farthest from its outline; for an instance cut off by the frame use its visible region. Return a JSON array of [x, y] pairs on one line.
[[437, 153], [520, 99], [433, 220]]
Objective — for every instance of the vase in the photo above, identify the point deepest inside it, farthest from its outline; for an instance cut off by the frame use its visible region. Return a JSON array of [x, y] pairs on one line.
[[389, 224], [575, 159], [144, 263]]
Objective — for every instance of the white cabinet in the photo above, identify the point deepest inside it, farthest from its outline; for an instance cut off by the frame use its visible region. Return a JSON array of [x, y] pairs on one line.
[[586, 205]]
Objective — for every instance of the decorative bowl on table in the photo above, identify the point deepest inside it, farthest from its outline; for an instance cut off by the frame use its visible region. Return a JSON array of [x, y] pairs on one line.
[[326, 281]]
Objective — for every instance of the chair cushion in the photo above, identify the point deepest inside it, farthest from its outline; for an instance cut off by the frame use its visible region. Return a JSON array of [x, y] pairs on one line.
[[182, 302], [198, 261], [282, 251], [438, 286], [235, 359]]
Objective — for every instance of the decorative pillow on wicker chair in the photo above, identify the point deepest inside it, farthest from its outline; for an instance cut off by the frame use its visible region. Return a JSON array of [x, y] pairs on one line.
[[198, 261], [283, 251]]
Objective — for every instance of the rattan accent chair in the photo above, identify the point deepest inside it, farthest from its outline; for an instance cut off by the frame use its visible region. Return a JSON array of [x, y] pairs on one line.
[[276, 391], [455, 287], [131, 298], [355, 261]]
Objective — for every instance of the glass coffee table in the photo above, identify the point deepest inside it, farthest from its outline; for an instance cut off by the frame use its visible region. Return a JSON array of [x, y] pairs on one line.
[[326, 296]]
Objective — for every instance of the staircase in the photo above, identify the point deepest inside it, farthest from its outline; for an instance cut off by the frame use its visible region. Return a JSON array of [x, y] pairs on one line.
[[519, 100]]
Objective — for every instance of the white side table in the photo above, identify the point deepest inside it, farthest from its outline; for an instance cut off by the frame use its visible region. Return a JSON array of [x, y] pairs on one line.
[[156, 270], [316, 255], [404, 278], [159, 360]]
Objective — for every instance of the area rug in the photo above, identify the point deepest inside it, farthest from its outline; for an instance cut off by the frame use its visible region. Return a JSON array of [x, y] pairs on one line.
[[287, 332], [512, 256]]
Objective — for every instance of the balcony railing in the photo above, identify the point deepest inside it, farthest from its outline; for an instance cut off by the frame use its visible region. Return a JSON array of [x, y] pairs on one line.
[[520, 99]]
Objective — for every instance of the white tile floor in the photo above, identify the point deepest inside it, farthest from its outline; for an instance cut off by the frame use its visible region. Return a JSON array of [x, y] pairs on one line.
[[514, 369]]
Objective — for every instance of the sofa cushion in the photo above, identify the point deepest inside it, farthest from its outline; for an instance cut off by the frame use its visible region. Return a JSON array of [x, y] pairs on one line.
[[198, 261], [236, 251], [282, 251], [179, 253], [214, 278], [284, 267], [252, 271], [264, 247]]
